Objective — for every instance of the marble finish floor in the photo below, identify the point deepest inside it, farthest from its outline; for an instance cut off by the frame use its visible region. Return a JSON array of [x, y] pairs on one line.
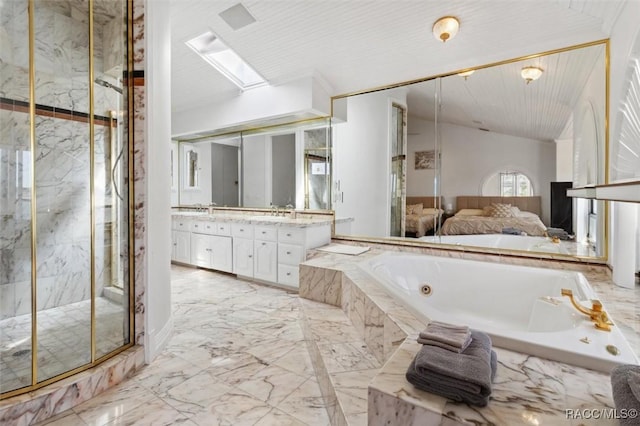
[[237, 356], [64, 340]]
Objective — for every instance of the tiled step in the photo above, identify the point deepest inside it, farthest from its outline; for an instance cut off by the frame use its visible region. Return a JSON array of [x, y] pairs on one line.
[[342, 361]]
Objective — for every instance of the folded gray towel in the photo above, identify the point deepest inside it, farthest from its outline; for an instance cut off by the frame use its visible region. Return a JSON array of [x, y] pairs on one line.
[[512, 231], [625, 385], [464, 377], [452, 337]]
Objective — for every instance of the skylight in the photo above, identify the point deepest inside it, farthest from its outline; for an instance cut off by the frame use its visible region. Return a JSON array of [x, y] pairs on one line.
[[225, 60]]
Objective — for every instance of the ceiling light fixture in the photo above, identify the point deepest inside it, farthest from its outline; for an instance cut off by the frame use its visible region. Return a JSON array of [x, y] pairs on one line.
[[531, 73], [466, 74], [446, 28]]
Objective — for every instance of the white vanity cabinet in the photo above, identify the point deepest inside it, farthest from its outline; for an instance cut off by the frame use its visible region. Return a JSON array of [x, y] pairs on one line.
[[268, 250], [209, 249], [180, 241], [265, 250], [242, 249], [293, 244]]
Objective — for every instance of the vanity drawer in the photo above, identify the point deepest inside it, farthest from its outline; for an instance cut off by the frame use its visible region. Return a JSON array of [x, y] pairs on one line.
[[291, 235], [223, 229], [288, 275], [265, 233], [290, 254], [181, 224], [242, 230], [206, 228], [200, 226]]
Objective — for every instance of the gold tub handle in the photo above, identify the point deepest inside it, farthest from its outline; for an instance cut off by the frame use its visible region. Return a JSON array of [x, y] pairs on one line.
[[596, 314]]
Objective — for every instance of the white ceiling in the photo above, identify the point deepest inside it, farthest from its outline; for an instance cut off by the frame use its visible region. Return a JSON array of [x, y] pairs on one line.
[[357, 45]]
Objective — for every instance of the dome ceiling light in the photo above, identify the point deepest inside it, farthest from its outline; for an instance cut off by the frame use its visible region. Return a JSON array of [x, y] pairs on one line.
[[446, 28], [466, 74], [531, 73]]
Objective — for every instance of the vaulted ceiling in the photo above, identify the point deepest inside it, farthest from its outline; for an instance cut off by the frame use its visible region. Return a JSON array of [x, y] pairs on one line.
[[356, 45]]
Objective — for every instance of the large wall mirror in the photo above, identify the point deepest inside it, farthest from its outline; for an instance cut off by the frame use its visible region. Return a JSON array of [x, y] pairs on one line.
[[480, 159], [288, 166]]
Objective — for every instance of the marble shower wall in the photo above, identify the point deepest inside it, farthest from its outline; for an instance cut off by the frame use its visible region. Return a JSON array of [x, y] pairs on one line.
[[62, 171]]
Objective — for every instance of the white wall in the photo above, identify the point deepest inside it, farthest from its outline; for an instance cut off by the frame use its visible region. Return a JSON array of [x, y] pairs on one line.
[[564, 160], [362, 153], [283, 170], [256, 176], [420, 137], [175, 178], [470, 156], [304, 96], [158, 318]]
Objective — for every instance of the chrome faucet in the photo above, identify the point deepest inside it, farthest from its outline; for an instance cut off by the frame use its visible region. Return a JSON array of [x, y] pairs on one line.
[[274, 210], [211, 206]]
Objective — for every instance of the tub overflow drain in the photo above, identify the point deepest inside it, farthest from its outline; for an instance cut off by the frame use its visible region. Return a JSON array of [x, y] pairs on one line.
[[425, 290]]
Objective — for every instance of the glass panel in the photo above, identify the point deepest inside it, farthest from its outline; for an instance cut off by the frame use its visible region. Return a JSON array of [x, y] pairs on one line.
[[396, 228], [318, 170], [62, 176], [110, 179], [15, 199]]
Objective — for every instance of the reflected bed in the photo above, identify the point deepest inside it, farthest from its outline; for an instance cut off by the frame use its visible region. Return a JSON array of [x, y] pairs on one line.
[[421, 215], [496, 215]]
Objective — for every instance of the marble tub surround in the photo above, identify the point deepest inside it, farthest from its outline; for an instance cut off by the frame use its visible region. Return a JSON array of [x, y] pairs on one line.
[[527, 389], [343, 363]]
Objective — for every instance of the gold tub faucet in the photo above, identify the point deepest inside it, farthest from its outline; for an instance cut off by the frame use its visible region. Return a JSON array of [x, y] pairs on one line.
[[596, 314]]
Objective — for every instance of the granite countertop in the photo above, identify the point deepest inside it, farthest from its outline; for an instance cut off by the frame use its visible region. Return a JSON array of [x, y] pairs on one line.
[[527, 390], [298, 222]]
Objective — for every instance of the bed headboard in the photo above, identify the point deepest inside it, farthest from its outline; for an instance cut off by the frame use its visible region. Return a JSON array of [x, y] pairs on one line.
[[527, 204], [427, 202]]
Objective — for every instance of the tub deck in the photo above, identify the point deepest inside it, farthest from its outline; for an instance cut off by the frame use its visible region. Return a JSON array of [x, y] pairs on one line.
[[527, 389]]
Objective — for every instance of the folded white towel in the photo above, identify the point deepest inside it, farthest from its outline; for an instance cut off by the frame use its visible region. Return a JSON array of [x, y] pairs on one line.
[[452, 337]]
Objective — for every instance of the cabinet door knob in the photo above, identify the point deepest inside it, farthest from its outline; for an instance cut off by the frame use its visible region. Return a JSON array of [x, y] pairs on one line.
[[250, 256], [264, 244], [288, 235], [264, 232], [195, 226], [288, 252], [288, 273]]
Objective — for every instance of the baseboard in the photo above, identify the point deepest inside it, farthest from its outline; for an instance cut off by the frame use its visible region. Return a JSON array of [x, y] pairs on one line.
[[159, 340]]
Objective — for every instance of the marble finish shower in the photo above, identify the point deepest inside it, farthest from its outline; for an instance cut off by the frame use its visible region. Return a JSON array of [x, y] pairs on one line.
[[64, 188]]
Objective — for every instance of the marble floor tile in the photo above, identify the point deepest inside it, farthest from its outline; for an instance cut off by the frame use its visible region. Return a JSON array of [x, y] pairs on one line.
[[113, 403], [236, 357], [236, 407], [272, 384], [306, 404], [297, 361]]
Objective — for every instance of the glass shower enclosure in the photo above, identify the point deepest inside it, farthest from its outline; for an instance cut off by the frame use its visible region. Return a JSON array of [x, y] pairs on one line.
[[65, 196]]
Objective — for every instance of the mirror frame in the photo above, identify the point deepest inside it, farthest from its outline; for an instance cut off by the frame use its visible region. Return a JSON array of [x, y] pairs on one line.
[[489, 250]]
